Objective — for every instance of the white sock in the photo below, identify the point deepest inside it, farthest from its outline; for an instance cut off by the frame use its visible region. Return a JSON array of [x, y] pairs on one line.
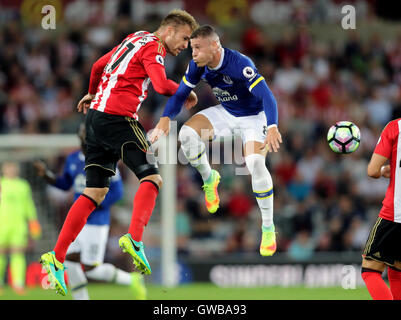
[[77, 280], [262, 186], [195, 151], [109, 273]]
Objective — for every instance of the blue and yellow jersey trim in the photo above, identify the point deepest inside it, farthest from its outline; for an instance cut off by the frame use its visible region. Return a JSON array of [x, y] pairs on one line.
[[256, 82], [189, 84]]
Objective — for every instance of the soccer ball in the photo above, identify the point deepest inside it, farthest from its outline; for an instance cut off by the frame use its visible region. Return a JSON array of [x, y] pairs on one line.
[[344, 137]]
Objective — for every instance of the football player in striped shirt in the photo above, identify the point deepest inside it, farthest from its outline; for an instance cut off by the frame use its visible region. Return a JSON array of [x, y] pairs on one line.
[[382, 247], [118, 85], [247, 108]]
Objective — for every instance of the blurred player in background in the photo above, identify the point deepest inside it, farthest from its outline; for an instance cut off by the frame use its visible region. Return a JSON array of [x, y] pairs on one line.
[[383, 245], [89, 247], [118, 86], [247, 107], [17, 219]]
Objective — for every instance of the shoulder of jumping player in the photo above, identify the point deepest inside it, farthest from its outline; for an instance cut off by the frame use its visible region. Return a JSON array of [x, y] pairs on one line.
[[242, 67]]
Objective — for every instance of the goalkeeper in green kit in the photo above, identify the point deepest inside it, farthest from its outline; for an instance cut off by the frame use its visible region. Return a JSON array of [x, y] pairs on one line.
[[17, 219]]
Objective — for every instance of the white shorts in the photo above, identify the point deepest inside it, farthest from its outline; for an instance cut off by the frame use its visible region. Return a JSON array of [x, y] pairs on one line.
[[91, 243], [248, 128]]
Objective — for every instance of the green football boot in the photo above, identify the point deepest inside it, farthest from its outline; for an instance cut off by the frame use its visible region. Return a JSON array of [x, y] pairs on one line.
[[136, 250], [55, 271]]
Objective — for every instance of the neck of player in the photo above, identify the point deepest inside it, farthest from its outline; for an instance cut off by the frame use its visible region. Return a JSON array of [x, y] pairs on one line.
[[216, 58]]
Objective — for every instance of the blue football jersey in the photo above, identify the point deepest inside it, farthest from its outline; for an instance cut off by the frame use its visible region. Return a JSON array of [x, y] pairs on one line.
[[74, 176], [235, 82], [231, 81]]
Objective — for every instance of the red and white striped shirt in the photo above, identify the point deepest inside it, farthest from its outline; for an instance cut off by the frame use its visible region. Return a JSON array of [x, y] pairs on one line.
[[121, 77], [389, 146]]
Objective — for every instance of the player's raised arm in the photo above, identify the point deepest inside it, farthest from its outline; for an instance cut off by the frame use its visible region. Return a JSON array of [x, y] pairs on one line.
[[183, 96], [259, 88]]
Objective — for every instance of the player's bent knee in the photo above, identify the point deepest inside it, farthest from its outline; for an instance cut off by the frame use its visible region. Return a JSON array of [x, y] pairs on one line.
[[156, 179], [256, 164], [373, 265], [97, 177], [96, 194], [88, 268], [187, 133]]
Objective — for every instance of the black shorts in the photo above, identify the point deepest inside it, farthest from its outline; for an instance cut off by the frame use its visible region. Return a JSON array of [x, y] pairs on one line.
[[384, 242], [110, 138]]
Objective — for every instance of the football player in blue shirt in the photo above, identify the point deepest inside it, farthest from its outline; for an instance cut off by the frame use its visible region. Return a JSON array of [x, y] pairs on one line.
[[247, 108], [89, 247]]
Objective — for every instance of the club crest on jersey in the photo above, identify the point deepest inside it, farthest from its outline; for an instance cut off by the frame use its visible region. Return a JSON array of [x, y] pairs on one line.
[[227, 80], [248, 72], [160, 59]]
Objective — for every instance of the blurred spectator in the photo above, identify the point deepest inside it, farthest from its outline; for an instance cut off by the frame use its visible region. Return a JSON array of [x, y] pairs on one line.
[[302, 248]]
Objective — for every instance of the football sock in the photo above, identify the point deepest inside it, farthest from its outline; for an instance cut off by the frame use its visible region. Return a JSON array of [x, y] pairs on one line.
[[375, 284], [18, 269], [394, 277], [262, 186], [109, 273], [3, 266], [73, 224], [144, 203], [195, 151], [77, 280]]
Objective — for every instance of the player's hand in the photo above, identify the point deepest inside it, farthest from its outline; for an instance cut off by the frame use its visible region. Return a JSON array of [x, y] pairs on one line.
[[191, 101], [40, 167], [85, 102], [35, 229], [273, 140], [162, 128], [385, 171]]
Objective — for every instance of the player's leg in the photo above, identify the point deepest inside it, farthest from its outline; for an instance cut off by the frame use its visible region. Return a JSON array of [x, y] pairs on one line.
[[135, 155], [199, 128], [394, 277], [77, 280], [380, 250], [372, 276], [94, 243], [3, 267], [253, 133], [4, 243], [17, 245], [262, 187], [98, 181]]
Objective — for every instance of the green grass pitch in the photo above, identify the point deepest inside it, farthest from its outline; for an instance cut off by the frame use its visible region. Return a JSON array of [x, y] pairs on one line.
[[199, 291]]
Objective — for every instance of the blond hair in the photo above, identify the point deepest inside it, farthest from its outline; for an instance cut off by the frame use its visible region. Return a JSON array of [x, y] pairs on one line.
[[179, 17]]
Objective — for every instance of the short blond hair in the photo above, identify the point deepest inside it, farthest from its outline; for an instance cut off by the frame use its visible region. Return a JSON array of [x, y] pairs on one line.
[[179, 17]]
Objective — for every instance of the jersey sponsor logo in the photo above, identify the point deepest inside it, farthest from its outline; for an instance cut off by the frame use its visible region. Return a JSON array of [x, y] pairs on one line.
[[248, 72], [227, 80], [223, 95], [160, 59]]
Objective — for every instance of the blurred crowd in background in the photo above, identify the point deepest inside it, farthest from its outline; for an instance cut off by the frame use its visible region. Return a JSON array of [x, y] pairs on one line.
[[323, 201]]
